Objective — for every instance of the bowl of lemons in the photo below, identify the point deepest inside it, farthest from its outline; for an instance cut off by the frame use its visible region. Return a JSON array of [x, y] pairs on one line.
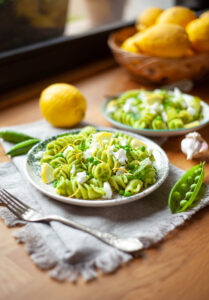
[[164, 46]]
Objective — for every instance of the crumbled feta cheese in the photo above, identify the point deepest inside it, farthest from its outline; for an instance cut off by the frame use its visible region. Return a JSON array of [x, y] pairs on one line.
[[81, 177], [146, 161], [142, 96], [157, 91], [128, 107], [164, 116], [124, 142], [177, 93], [38, 155], [88, 153], [130, 100], [69, 148], [191, 111], [120, 155], [154, 108], [149, 150], [135, 109], [111, 149], [183, 104], [107, 190], [73, 170], [111, 109], [120, 172], [188, 99]]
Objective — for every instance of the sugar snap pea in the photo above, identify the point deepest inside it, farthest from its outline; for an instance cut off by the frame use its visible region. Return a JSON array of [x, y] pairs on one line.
[[23, 147], [13, 136], [186, 189]]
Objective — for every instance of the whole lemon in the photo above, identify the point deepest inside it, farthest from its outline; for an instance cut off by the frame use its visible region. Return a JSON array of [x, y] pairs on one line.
[[129, 44], [205, 14], [62, 105], [164, 41], [177, 15], [198, 31], [148, 18]]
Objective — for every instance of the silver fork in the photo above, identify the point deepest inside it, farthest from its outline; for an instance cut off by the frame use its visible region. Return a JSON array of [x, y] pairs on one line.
[[26, 213]]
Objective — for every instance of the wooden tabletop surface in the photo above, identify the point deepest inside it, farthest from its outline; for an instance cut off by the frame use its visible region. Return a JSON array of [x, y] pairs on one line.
[[177, 268]]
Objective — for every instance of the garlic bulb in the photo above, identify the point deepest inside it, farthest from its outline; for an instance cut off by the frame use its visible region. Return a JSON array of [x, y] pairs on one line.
[[193, 145]]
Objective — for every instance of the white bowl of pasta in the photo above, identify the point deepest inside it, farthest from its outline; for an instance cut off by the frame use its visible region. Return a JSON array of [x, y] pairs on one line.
[[96, 167], [156, 113]]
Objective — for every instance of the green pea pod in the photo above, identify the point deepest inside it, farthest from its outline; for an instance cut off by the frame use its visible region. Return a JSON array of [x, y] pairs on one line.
[[186, 189], [23, 147], [13, 136]]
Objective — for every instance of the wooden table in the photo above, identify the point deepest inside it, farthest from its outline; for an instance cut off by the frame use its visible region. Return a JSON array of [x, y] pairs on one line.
[[177, 268]]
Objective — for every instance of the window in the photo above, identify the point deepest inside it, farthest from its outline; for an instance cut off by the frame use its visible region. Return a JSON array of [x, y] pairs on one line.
[[41, 37]]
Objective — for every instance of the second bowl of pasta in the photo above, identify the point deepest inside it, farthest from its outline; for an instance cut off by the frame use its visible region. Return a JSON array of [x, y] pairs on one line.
[[156, 113]]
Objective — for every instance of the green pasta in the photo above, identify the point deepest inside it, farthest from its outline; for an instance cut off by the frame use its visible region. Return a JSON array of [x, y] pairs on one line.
[[158, 123], [95, 164], [158, 109]]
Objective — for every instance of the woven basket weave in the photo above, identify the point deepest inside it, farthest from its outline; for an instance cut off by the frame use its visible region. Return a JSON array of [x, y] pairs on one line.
[[157, 70]]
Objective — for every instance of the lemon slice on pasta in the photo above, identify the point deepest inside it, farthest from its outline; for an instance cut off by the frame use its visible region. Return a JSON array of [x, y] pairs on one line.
[[154, 98], [104, 138], [136, 143], [47, 173], [193, 124], [111, 103]]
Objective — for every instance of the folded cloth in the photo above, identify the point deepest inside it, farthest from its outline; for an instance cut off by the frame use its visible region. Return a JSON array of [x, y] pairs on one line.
[[67, 252]]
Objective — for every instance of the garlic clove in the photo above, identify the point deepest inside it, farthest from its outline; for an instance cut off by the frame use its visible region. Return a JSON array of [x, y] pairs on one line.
[[203, 150], [193, 145], [204, 147]]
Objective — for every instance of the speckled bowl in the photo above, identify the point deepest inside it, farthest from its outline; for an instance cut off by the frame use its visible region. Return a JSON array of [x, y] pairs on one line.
[[33, 173]]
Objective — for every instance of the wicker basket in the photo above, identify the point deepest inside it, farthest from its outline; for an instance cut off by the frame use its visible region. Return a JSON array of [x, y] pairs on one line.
[[157, 70]]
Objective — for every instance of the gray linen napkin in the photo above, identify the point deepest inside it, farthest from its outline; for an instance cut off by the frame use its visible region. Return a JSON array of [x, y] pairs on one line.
[[67, 252]]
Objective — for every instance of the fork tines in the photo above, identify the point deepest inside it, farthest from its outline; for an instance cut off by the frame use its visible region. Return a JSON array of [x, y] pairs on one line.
[[16, 206]]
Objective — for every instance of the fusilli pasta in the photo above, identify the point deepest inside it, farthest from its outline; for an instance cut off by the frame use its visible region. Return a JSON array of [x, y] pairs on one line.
[[158, 109], [92, 165]]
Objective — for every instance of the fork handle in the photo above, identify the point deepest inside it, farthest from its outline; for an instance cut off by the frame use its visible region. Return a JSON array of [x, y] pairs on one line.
[[122, 243]]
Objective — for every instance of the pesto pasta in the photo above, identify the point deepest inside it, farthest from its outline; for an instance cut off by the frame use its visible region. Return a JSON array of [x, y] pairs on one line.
[[95, 164], [158, 109]]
